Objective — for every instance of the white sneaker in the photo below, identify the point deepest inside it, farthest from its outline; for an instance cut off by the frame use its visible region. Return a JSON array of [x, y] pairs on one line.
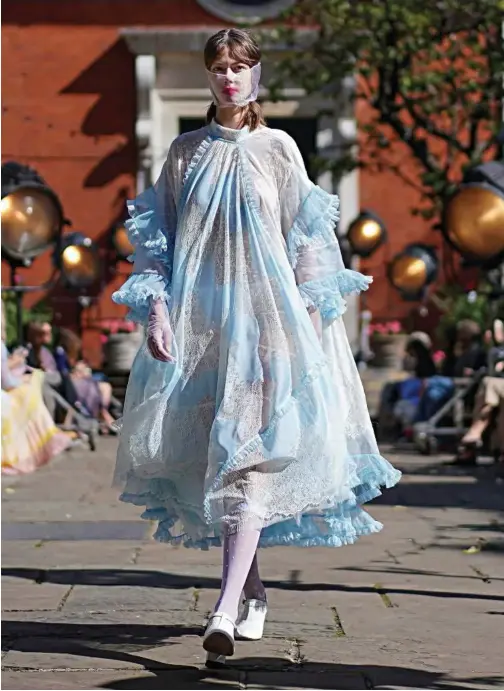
[[219, 635], [250, 624]]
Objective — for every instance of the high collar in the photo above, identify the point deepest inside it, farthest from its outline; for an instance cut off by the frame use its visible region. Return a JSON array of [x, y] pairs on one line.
[[219, 132]]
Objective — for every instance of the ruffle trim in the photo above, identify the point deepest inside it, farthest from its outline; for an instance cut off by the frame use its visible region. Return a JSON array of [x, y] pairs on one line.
[[326, 294], [137, 293], [198, 155], [341, 525], [150, 228], [316, 219]]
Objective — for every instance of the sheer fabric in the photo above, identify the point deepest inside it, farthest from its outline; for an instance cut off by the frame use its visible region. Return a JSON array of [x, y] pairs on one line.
[[259, 423]]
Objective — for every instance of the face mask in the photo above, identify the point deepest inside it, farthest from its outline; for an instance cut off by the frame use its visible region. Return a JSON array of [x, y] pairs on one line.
[[235, 89]]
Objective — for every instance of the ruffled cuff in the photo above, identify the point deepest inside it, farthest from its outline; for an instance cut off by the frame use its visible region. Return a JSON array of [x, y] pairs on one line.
[[314, 225], [147, 227], [327, 294], [138, 292]]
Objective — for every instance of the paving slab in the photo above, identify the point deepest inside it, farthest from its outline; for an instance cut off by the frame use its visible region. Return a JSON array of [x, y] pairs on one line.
[[90, 601], [23, 595], [183, 678]]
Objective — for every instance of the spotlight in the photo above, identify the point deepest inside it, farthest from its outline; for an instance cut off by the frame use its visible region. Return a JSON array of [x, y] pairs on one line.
[[365, 234], [31, 213], [121, 241], [412, 270], [78, 261], [473, 219]]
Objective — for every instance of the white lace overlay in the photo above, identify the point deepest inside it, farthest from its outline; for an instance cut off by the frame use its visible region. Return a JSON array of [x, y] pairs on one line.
[[259, 421]]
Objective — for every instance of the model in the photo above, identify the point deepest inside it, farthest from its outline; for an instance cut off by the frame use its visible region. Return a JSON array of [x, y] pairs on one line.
[[245, 421]]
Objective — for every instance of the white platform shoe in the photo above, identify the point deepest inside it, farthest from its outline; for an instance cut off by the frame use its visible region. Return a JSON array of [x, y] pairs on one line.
[[219, 637], [250, 624]]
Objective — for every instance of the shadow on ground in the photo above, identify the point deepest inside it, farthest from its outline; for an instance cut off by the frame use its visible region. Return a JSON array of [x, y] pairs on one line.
[[270, 673], [442, 485], [101, 641], [169, 581], [121, 643]]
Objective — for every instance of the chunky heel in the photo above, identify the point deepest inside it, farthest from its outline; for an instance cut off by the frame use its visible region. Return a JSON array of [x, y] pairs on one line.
[[219, 635]]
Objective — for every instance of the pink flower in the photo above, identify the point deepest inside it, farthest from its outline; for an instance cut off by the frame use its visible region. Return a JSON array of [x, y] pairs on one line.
[[103, 339], [385, 328], [438, 356]]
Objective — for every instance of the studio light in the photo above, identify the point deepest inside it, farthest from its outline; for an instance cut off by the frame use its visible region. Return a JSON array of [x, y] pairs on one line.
[[365, 234], [412, 270], [473, 219], [78, 261], [31, 213], [121, 242]]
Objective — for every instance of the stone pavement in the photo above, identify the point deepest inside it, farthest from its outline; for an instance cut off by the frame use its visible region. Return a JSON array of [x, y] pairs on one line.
[[91, 602]]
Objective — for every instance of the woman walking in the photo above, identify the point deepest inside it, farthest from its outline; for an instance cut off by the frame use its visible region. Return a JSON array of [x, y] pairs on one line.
[[245, 422]]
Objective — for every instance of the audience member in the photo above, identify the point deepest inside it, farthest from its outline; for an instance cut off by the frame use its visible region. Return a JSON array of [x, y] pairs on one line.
[[40, 357], [489, 403], [91, 396], [29, 435]]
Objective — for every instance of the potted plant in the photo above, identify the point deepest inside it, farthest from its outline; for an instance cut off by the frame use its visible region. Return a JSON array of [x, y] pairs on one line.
[[121, 340], [387, 341]]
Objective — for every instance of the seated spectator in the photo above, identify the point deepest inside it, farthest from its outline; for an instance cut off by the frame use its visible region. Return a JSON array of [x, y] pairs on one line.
[[489, 403], [40, 357], [399, 399], [91, 396], [29, 435], [418, 360], [467, 355], [420, 396]]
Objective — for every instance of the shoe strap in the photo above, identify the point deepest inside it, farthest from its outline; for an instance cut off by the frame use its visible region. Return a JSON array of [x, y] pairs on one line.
[[254, 603], [221, 615]]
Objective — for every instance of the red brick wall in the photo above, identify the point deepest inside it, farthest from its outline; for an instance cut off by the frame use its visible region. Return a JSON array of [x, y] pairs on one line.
[[392, 200], [69, 108]]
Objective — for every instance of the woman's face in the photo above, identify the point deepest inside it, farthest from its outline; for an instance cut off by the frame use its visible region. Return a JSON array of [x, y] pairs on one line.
[[410, 360], [499, 331], [230, 79]]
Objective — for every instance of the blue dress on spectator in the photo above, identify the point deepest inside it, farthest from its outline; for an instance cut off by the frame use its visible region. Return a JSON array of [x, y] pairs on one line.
[[259, 418]]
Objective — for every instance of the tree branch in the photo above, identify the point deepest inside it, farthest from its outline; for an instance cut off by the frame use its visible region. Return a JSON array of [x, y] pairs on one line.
[[430, 127]]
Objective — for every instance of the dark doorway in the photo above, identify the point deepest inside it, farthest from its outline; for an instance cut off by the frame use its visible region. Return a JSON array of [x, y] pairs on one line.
[[302, 130], [190, 124], [304, 133]]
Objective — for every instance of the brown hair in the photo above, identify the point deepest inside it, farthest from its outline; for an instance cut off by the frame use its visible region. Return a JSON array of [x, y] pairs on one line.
[[468, 330], [242, 46], [34, 332], [71, 344]]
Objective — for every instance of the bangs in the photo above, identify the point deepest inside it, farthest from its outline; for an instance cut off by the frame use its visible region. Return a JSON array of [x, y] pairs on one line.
[[241, 53], [240, 46]]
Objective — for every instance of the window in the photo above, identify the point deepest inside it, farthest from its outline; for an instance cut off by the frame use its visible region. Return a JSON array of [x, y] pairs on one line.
[[248, 11]]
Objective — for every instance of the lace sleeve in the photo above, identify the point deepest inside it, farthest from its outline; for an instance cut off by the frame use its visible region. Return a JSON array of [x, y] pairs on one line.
[[151, 230], [309, 219]]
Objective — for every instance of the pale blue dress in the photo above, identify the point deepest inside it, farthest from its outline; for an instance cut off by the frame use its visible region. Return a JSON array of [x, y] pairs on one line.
[[260, 421]]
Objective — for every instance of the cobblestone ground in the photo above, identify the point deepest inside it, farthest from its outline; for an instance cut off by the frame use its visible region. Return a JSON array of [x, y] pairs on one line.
[[91, 602]]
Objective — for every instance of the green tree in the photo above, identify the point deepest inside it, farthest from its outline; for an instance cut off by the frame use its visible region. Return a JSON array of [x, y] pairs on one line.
[[39, 312], [431, 71]]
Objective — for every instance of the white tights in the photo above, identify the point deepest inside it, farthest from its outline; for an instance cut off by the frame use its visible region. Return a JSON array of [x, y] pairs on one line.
[[240, 571]]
